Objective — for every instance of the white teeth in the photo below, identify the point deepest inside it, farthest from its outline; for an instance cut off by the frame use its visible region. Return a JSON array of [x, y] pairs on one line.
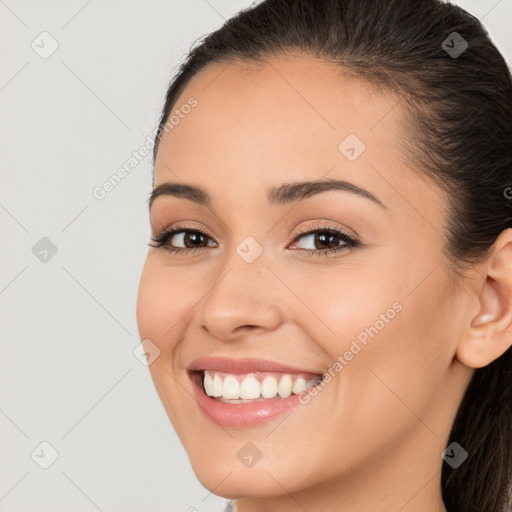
[[285, 386], [250, 388], [269, 387], [234, 387], [299, 385], [217, 386], [208, 384], [231, 388]]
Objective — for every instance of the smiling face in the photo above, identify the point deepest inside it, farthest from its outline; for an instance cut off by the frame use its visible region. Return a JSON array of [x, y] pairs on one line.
[[378, 312]]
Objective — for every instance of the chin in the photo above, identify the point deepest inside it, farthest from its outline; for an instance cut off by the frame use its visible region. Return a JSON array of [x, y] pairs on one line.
[[243, 483], [226, 476]]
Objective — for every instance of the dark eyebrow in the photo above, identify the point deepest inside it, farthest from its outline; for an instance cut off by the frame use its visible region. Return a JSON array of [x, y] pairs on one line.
[[283, 194], [292, 192]]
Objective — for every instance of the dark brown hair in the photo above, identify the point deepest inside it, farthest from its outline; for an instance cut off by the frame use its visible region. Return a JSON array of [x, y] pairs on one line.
[[457, 132]]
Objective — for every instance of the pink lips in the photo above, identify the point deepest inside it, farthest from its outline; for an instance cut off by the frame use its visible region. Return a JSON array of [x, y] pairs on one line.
[[242, 414], [228, 365]]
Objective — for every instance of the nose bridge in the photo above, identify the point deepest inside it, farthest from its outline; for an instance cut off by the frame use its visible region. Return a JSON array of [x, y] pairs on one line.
[[242, 293], [245, 261]]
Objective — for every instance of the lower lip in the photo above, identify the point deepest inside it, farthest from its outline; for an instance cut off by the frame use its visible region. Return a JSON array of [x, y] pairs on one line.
[[242, 414]]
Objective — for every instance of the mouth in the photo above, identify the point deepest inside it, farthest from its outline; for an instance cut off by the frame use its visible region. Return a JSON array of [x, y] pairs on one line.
[[242, 393]]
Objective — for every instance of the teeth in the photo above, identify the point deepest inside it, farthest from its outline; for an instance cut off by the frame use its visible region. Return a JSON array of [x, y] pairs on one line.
[[231, 388], [285, 386], [208, 384], [269, 387], [217, 386], [299, 385], [249, 387]]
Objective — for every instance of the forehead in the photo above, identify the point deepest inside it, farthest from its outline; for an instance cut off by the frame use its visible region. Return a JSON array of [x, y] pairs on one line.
[[290, 118], [290, 99]]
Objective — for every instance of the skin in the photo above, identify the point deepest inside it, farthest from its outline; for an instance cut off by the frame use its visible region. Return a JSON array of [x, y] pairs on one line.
[[373, 436]]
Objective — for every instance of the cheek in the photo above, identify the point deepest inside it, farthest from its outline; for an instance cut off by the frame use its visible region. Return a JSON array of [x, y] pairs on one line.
[[386, 342], [162, 305], [347, 305]]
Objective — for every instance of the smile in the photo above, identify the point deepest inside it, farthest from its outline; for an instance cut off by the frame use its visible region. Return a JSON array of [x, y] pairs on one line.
[[244, 393]]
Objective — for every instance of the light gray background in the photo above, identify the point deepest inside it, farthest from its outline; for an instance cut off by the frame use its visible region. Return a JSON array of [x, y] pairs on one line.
[[68, 373]]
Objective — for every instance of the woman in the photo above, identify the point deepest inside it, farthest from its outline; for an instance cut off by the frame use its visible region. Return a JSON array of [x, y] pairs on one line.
[[329, 281]]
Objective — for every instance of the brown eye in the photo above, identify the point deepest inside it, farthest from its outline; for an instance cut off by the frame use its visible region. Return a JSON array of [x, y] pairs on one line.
[[325, 240], [189, 239]]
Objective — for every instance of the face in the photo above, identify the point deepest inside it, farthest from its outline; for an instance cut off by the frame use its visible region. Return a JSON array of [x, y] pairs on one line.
[[269, 287]]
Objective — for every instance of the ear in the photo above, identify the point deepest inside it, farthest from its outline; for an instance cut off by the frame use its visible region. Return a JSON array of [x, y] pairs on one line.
[[490, 332]]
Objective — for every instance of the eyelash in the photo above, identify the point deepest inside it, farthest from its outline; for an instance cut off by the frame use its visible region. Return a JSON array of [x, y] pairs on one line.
[[161, 240]]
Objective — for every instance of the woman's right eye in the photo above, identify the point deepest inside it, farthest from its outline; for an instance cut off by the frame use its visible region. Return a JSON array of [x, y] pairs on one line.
[[183, 236]]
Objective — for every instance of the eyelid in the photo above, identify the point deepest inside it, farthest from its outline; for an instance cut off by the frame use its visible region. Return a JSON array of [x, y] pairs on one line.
[[322, 225], [182, 227]]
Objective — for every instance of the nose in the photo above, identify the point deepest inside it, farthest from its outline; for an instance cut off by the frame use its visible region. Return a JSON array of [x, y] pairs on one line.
[[242, 299]]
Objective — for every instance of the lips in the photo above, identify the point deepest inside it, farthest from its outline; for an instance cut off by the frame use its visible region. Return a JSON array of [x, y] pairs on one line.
[[233, 411]]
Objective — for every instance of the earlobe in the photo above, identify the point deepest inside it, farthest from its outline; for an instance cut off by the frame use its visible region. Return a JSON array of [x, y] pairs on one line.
[[489, 334], [486, 317]]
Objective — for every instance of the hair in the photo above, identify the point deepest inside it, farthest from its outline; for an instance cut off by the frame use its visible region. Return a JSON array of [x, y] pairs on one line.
[[457, 132]]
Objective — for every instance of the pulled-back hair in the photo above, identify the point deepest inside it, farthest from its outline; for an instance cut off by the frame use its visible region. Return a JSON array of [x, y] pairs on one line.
[[457, 131]]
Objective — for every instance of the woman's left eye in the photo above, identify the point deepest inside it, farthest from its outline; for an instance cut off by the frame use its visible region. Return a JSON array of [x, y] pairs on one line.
[[325, 240]]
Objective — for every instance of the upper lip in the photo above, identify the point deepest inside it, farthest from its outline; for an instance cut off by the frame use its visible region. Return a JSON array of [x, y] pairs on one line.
[[246, 365]]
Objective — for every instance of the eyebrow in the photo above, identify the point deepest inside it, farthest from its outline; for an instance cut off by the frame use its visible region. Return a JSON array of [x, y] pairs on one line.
[[280, 195]]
